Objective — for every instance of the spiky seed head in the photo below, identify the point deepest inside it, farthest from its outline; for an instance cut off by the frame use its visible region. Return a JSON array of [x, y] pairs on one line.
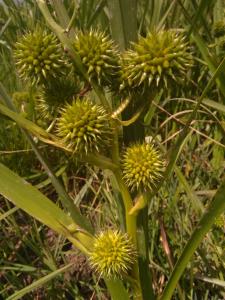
[[19, 98], [38, 56], [220, 221], [113, 254], [24, 100], [155, 60], [221, 44], [84, 126], [219, 28], [99, 55], [142, 166], [55, 94]]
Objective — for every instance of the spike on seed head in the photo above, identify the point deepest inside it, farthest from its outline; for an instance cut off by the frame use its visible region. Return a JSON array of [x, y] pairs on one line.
[[113, 254], [156, 59], [142, 166], [38, 56], [99, 55], [84, 126], [220, 221]]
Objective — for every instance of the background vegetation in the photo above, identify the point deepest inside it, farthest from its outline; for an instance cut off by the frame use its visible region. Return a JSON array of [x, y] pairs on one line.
[[37, 263]]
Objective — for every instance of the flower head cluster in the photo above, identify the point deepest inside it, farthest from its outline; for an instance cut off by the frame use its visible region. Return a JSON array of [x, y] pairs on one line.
[[84, 126], [220, 221], [155, 60], [113, 254], [56, 94], [98, 54], [219, 29], [38, 56], [142, 166]]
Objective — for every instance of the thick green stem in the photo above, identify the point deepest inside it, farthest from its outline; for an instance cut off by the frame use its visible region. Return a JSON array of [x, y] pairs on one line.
[[131, 226], [100, 161], [128, 204], [116, 289], [62, 14], [131, 221]]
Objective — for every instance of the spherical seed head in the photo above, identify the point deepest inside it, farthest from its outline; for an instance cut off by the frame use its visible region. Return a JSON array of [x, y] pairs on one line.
[[84, 126], [55, 95], [38, 56], [20, 98], [220, 221], [221, 44], [99, 55], [142, 166], [113, 254], [219, 29], [155, 60], [23, 101]]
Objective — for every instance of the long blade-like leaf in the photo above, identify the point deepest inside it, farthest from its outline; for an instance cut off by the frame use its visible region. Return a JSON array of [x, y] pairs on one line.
[[215, 209], [31, 200], [38, 283]]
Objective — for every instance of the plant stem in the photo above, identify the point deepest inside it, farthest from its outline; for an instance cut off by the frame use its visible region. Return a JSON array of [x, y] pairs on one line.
[[69, 26], [116, 289], [100, 161], [123, 21], [131, 226], [131, 220], [62, 15]]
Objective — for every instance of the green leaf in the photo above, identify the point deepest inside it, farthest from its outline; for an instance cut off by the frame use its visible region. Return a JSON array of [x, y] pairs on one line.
[[30, 126], [196, 203], [32, 201], [116, 289], [123, 21], [214, 281], [66, 201], [204, 50], [216, 105], [8, 213], [38, 283], [215, 209]]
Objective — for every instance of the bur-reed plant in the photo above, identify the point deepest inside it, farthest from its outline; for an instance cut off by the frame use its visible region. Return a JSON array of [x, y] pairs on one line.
[[88, 125]]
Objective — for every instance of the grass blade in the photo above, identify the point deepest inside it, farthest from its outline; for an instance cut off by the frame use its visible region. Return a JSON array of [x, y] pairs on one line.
[[217, 106], [38, 283], [36, 204], [8, 213], [215, 209], [28, 198], [123, 21]]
